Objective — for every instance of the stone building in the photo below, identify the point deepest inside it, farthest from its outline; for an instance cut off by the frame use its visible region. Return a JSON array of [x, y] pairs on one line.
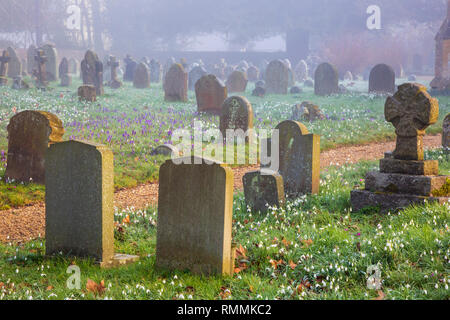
[[442, 65]]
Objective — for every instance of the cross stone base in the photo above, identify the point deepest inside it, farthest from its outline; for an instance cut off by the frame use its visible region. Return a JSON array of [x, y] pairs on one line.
[[361, 199], [119, 260]]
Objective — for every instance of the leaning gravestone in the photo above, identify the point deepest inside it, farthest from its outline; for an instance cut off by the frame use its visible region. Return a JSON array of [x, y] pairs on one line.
[[194, 75], [79, 201], [156, 71], [211, 94], [87, 93], [30, 133], [130, 68], [326, 80], [446, 133], [92, 71], [299, 159], [237, 82], [66, 78], [51, 64], [263, 189], [141, 77], [31, 62], [277, 77], [176, 84], [237, 113], [15, 67], [405, 178], [4, 62], [195, 213], [382, 79]]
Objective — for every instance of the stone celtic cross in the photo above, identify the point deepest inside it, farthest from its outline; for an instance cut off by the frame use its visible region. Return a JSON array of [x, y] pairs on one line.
[[411, 110]]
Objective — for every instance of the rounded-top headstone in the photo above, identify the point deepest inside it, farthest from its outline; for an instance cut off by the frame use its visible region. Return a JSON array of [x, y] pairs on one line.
[[141, 77], [326, 80], [237, 82], [211, 94], [277, 77], [176, 84], [237, 113], [301, 71], [382, 79], [51, 65], [14, 66]]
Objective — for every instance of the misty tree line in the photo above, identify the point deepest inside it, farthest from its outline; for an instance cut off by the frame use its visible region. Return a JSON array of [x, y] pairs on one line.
[[169, 24]]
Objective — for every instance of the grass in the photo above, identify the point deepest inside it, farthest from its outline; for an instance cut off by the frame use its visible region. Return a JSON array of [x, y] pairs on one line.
[[133, 122], [314, 248]]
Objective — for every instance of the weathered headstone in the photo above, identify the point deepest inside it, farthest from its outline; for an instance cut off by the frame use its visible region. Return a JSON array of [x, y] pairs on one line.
[[295, 90], [211, 94], [130, 68], [237, 113], [141, 77], [382, 79], [405, 178], [237, 82], [73, 66], [113, 64], [307, 111], [66, 78], [156, 71], [299, 159], [51, 64], [4, 61], [195, 208], [79, 200], [41, 72], [277, 77], [326, 80], [31, 62], [92, 71], [30, 133], [253, 74], [176, 84], [301, 71], [446, 133], [166, 150], [87, 93], [259, 92], [263, 189], [194, 75], [14, 66]]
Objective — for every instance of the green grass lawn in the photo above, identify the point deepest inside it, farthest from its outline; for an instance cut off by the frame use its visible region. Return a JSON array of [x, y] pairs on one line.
[[133, 122], [314, 248]]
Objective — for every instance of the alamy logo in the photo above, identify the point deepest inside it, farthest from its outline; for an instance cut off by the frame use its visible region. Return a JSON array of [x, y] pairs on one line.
[[374, 20], [73, 22], [74, 281]]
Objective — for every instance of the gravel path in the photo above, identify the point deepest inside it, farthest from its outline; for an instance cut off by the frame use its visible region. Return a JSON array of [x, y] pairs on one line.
[[27, 223]]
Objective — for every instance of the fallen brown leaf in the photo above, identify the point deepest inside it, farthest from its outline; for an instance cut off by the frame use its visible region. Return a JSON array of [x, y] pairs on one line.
[[96, 289]]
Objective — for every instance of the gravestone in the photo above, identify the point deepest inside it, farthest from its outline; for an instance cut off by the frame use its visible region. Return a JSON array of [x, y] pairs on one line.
[[195, 209], [41, 72], [291, 81], [63, 70], [405, 178], [382, 79], [262, 189], [87, 93], [23, 62], [211, 94], [113, 64], [31, 62], [301, 71], [4, 61], [141, 77], [156, 71], [79, 201], [194, 75], [92, 71], [277, 77], [166, 150], [51, 63], [259, 92], [237, 113], [446, 133], [176, 84], [14, 66], [169, 63], [326, 80], [19, 83], [307, 111], [30, 133], [299, 159], [295, 90], [253, 74], [237, 82], [73, 66], [130, 68]]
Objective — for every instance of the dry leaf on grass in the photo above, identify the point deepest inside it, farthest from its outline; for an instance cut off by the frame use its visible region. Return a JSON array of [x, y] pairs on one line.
[[96, 289], [381, 295]]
